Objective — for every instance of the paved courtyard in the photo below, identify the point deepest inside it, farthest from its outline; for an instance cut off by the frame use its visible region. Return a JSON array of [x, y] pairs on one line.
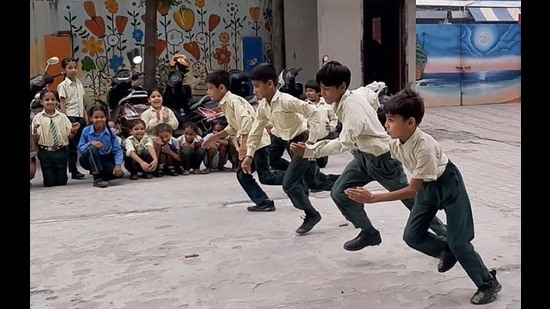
[[125, 246]]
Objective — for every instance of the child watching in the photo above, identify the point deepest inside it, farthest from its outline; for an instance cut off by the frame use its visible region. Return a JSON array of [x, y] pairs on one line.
[[192, 153], [99, 149], [329, 120], [52, 130], [157, 114], [436, 184], [220, 153], [71, 98], [141, 156], [168, 151]]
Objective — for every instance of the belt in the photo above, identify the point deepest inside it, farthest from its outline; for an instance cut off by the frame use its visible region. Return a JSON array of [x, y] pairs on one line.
[[52, 148]]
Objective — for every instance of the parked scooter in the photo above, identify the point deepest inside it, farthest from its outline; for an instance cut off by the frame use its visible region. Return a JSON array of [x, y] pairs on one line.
[[287, 83], [40, 82], [125, 99]]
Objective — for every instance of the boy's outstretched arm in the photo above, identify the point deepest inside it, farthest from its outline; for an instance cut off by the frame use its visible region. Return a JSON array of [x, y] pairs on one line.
[[362, 195]]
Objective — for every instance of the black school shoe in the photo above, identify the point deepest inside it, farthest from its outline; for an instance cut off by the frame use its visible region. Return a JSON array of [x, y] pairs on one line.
[[134, 177], [362, 240], [100, 183], [264, 207], [446, 260], [488, 291], [309, 222], [77, 175]]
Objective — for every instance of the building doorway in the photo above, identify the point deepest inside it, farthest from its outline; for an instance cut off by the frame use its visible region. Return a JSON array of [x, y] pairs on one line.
[[384, 47]]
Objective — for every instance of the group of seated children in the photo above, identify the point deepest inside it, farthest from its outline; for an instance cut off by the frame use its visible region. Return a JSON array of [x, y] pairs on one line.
[[103, 152], [164, 154]]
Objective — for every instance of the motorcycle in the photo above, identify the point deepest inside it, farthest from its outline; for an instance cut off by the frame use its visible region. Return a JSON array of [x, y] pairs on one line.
[[287, 83], [126, 100], [40, 82]]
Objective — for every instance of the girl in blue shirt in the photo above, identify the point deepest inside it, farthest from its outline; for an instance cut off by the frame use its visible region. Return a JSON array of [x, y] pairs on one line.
[[99, 149]]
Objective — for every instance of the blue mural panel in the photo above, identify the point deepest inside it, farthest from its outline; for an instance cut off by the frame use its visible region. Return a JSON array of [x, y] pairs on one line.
[[469, 64]]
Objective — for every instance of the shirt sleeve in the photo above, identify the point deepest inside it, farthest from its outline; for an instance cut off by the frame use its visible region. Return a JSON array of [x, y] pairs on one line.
[[244, 119], [117, 150], [310, 113], [35, 121], [84, 142], [347, 139], [172, 120], [129, 145], [61, 91], [333, 119], [150, 120], [255, 135]]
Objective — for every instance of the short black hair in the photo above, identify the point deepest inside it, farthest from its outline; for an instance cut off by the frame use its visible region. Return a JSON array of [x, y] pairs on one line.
[[65, 62], [219, 77], [163, 127], [264, 72], [313, 84], [333, 73], [406, 103]]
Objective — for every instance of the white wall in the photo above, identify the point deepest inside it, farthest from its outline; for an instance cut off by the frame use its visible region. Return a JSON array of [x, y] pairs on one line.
[[43, 21], [340, 25], [301, 39]]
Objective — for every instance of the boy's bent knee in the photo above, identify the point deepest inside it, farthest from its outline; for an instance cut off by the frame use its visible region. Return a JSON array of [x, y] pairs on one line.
[[412, 239]]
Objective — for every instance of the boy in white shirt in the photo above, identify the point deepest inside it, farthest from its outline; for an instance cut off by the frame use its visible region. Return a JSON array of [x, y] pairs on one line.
[[436, 184], [329, 120], [364, 136]]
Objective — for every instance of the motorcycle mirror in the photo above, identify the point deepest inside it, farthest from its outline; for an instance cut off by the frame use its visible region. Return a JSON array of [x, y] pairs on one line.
[[137, 59], [53, 60]]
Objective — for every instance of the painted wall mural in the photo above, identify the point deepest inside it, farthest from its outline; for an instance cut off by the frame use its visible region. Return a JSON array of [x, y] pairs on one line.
[[107, 34], [468, 64]]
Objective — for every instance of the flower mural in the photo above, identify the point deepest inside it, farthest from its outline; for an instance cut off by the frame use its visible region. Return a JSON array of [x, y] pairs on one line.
[[255, 16], [106, 34]]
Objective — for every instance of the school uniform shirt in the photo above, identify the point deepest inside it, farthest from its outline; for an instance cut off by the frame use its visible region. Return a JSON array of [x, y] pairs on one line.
[[181, 140], [421, 155], [133, 144], [360, 129], [327, 116], [240, 115], [286, 113], [73, 92], [151, 120], [107, 138], [62, 124], [370, 96]]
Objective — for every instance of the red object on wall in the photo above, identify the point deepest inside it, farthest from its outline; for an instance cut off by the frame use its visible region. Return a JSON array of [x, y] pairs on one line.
[[59, 46]]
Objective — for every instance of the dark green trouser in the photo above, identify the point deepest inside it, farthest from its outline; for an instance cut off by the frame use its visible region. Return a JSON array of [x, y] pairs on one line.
[[447, 193], [54, 166], [303, 174], [363, 169]]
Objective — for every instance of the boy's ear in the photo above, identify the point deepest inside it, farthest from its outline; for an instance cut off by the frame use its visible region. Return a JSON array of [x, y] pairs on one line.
[[343, 86]]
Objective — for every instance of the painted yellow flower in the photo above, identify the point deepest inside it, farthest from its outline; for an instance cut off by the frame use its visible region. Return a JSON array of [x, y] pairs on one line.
[[224, 37], [254, 13], [92, 46], [111, 6], [199, 3], [185, 19]]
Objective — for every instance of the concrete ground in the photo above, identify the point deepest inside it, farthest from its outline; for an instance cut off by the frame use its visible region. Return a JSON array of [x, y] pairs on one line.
[[125, 246]]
